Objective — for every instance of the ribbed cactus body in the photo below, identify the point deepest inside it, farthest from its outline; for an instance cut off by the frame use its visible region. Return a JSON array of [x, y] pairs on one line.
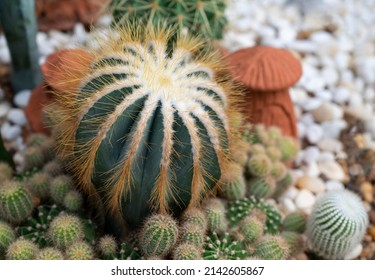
[[49, 253], [295, 221], [80, 251], [7, 236], [192, 234], [186, 251], [60, 186], [251, 229], [203, 16], [196, 217], [107, 247], [337, 224], [39, 184], [261, 187], [271, 247], [148, 126], [15, 202], [65, 229], [259, 165], [215, 213], [73, 201], [22, 250], [219, 247], [158, 236]]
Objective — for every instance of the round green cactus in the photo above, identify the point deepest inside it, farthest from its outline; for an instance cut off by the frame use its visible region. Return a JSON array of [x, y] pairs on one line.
[[196, 16], [36, 140], [273, 153], [275, 134], [259, 165], [250, 229], [289, 148], [223, 248], [149, 128], [80, 251], [73, 201], [278, 170], [257, 149], [215, 213], [7, 236], [49, 253], [33, 158], [158, 236], [195, 216], [295, 242], [282, 185], [337, 223], [234, 185], [186, 251], [295, 221], [261, 187], [53, 168], [271, 247], [107, 246], [39, 184], [15, 202], [22, 250], [60, 186], [192, 234], [35, 228], [6, 172], [65, 229]]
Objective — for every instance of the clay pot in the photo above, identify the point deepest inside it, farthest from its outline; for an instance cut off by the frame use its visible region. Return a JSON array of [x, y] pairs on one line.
[[266, 73], [57, 69], [64, 14]]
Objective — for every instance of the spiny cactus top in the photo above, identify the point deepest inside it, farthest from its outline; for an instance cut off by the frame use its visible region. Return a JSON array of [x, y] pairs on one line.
[[149, 125], [204, 16], [337, 224]]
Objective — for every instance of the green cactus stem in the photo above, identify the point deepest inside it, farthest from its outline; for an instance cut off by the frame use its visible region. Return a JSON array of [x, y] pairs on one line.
[[22, 249], [215, 214], [295, 221], [271, 247], [295, 242], [250, 229], [107, 246], [18, 20], [39, 184], [80, 251], [60, 186], [261, 187], [73, 201], [186, 251], [7, 236], [158, 236], [192, 234], [259, 165], [223, 248], [49, 253], [15, 202]]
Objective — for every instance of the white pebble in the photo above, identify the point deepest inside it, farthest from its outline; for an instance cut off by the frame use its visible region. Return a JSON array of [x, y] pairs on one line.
[[332, 129], [290, 193], [10, 132], [332, 170], [288, 205], [341, 95], [333, 185], [4, 109], [314, 133], [17, 116], [311, 169], [311, 154], [324, 95], [305, 199], [2, 94], [21, 99], [330, 144]]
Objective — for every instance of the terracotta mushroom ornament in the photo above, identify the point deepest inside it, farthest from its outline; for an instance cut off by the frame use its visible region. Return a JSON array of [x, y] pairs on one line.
[[267, 73], [57, 67]]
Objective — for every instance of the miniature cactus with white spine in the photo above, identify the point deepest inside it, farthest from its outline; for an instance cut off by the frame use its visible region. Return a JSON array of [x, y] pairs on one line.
[[337, 224], [149, 127]]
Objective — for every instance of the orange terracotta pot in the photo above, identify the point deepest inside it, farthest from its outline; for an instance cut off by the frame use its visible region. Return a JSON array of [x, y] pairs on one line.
[[266, 74]]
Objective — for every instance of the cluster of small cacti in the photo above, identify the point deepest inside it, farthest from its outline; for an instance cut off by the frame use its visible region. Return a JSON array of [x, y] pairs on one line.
[[205, 17]]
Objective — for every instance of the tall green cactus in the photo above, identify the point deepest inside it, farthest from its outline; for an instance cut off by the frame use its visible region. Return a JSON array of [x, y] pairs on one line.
[[148, 129], [19, 24], [197, 16]]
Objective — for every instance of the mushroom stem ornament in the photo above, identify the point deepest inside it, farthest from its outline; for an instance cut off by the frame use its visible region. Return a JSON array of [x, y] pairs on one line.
[[267, 73]]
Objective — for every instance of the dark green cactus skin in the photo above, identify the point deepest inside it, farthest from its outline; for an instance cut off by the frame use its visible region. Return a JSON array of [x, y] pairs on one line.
[[197, 16], [128, 252], [223, 247], [19, 24], [239, 209]]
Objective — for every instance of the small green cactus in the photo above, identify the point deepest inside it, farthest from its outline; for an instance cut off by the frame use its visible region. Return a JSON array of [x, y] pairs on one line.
[[73, 201], [48, 149], [22, 249], [107, 246], [33, 158], [195, 216], [158, 236], [271, 247], [282, 185], [259, 165], [196, 16], [278, 170], [223, 248], [192, 234], [7, 236], [273, 153], [39, 184], [295, 242], [128, 252], [80, 251], [239, 209], [60, 186], [275, 133], [234, 185], [261, 187], [257, 149], [36, 140], [289, 148], [35, 228], [65, 229], [53, 168], [337, 223], [16, 202], [215, 214], [250, 229], [295, 221], [186, 251], [49, 253], [6, 172]]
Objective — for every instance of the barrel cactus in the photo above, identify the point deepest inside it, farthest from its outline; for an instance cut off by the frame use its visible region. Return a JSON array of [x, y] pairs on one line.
[[337, 224], [148, 129], [204, 16]]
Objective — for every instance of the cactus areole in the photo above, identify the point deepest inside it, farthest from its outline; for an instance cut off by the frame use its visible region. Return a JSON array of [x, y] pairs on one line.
[[148, 128]]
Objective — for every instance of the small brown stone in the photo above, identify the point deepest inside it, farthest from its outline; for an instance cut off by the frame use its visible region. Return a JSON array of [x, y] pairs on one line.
[[371, 232], [367, 191]]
